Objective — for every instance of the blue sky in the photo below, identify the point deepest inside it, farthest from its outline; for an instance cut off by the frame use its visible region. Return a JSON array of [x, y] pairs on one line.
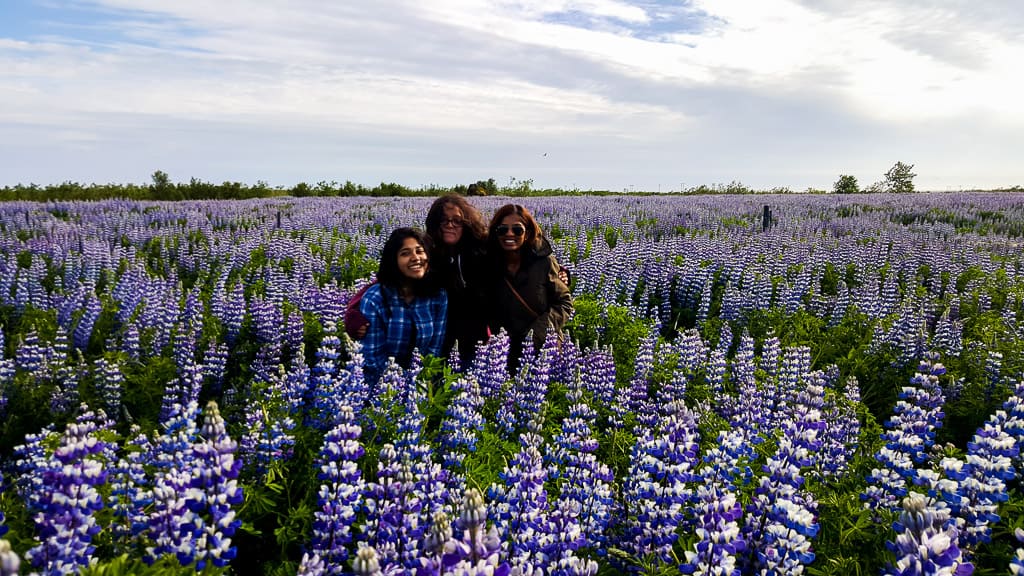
[[591, 94]]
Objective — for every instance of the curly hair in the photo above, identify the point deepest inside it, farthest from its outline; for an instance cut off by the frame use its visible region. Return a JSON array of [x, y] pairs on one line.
[[473, 221]]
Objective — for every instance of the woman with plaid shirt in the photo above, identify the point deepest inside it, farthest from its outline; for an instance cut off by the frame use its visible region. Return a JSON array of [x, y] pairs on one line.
[[405, 308]]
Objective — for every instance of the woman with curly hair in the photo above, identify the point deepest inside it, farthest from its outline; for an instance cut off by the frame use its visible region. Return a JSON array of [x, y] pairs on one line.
[[459, 234]]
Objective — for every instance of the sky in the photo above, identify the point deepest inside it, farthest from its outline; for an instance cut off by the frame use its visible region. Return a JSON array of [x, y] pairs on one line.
[[621, 95]]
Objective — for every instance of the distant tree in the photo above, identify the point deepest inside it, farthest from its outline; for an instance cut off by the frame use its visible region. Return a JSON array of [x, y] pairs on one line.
[[846, 185], [161, 179], [899, 178]]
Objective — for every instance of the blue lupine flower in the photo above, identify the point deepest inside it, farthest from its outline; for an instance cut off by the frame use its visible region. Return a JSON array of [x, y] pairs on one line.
[[519, 504], [392, 523], [926, 541], [323, 383], [586, 484], [911, 432], [528, 390], [170, 520], [490, 366], [460, 428], [130, 492], [662, 470], [597, 375], [782, 517], [340, 492], [718, 514], [213, 491], [109, 383], [65, 522], [990, 455]]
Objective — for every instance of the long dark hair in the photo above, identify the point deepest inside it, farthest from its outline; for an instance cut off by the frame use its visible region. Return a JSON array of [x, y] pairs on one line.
[[534, 236], [474, 230], [388, 273]]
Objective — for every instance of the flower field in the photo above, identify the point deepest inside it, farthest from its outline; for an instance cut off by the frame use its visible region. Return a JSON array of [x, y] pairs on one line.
[[841, 392]]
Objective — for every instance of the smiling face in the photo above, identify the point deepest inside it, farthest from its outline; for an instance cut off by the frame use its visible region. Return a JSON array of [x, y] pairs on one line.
[[452, 225], [511, 233], [412, 259]]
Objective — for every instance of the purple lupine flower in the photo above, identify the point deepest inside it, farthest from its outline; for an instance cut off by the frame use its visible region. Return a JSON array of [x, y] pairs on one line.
[[392, 512], [662, 471], [771, 351], [212, 492], [528, 390], [340, 492], [269, 432], [170, 520], [597, 374], [911, 432], [490, 366], [460, 428], [65, 392], [215, 365], [586, 484], [109, 382], [718, 514], [296, 382], [926, 541], [840, 437], [130, 343], [130, 492], [352, 385], [322, 387], [781, 518], [29, 357], [65, 520], [519, 505], [91, 312], [430, 481], [990, 455]]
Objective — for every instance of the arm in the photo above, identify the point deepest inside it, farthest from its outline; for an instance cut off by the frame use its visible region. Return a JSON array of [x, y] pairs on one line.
[[440, 318], [559, 297], [372, 306]]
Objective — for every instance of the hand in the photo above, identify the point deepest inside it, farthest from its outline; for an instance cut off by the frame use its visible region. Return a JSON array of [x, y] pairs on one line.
[[563, 275], [361, 331]]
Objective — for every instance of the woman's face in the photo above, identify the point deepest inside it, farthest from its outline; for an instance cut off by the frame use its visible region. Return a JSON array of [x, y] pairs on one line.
[[511, 232], [452, 224], [412, 259]]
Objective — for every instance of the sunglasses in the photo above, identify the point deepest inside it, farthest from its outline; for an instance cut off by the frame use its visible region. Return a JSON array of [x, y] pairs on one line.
[[452, 223], [516, 229]]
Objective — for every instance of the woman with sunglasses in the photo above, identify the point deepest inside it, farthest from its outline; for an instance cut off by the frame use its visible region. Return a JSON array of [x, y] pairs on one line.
[[460, 234], [405, 309], [526, 292]]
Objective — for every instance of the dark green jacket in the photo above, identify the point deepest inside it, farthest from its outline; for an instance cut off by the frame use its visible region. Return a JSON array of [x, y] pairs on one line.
[[537, 283]]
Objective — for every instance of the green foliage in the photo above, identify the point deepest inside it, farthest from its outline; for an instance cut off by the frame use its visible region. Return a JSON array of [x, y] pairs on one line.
[[846, 184], [899, 178], [612, 326]]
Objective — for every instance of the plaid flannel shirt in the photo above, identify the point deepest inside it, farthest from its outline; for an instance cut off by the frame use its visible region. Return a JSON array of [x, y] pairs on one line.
[[391, 326]]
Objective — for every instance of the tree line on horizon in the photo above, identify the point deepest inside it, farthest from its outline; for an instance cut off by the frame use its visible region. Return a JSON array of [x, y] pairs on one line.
[[899, 179]]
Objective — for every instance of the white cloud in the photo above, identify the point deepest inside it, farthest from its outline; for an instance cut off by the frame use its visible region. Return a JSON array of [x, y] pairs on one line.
[[721, 89]]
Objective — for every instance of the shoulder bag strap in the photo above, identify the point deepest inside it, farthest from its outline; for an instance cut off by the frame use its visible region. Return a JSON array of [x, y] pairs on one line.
[[520, 298]]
